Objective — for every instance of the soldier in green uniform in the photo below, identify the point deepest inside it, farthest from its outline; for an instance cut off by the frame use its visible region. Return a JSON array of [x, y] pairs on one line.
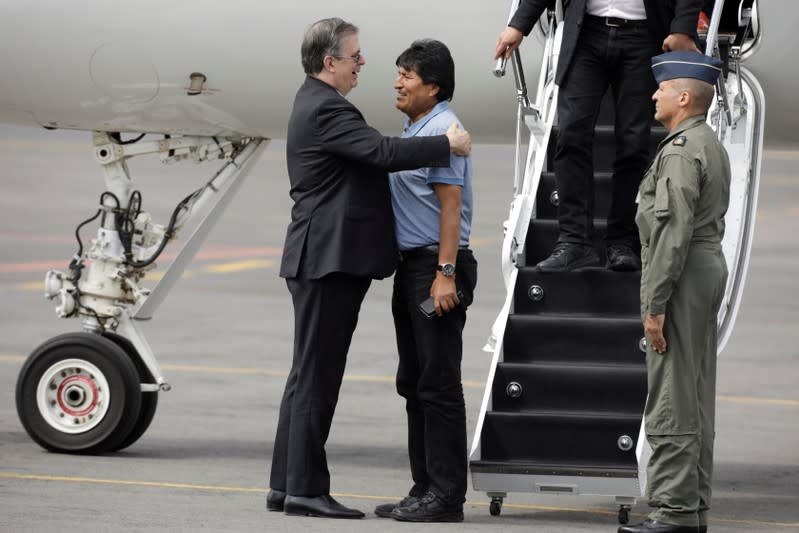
[[682, 201]]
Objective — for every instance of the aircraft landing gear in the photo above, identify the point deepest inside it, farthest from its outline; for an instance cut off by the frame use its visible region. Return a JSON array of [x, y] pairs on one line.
[[97, 391], [80, 393]]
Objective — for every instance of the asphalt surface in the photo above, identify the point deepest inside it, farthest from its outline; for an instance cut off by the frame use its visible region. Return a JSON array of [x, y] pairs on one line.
[[224, 337]]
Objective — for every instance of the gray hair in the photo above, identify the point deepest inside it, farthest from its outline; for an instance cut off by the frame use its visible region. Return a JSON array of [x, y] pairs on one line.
[[702, 91], [323, 38]]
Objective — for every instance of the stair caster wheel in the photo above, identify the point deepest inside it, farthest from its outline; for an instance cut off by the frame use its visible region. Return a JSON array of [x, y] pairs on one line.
[[495, 507], [624, 514]]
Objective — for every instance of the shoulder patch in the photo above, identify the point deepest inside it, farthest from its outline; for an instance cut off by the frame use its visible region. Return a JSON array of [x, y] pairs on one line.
[[679, 141]]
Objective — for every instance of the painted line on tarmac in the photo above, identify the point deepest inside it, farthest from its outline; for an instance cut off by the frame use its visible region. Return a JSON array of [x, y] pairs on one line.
[[781, 154], [261, 490], [239, 266], [199, 369], [154, 484], [216, 268], [753, 400], [205, 254]]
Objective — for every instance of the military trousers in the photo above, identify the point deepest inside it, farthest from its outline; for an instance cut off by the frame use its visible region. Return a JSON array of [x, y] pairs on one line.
[[680, 408]]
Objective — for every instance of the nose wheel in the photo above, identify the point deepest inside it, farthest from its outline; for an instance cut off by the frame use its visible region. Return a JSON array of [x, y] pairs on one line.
[[80, 393], [149, 399]]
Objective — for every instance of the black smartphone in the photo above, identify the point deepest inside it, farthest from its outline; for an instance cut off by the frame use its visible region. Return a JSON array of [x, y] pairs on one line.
[[428, 307]]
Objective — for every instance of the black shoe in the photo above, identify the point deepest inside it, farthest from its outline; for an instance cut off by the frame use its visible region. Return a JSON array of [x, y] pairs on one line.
[[274, 500], [567, 256], [621, 258], [653, 526], [428, 508], [323, 506], [384, 510]]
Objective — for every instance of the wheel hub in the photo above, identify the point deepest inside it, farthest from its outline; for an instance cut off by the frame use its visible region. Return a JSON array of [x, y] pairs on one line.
[[73, 396], [77, 395]]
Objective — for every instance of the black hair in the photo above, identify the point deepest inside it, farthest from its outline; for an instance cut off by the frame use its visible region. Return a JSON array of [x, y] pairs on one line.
[[431, 60]]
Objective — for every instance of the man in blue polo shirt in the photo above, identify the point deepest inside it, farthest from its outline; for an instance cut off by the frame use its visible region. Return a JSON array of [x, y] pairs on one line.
[[433, 213]]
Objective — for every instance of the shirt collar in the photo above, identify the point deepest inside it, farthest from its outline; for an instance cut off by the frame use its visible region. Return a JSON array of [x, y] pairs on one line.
[[413, 129], [687, 124]]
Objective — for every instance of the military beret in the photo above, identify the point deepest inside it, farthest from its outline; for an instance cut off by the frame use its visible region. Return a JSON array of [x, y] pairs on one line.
[[674, 65]]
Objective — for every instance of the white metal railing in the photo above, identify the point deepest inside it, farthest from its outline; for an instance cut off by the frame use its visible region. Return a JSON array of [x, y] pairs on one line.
[[538, 119]]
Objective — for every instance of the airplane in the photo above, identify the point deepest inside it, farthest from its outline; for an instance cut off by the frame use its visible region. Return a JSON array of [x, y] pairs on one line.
[[206, 83]]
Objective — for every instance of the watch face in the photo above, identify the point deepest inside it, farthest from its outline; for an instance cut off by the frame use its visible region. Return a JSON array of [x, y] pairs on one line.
[[448, 269]]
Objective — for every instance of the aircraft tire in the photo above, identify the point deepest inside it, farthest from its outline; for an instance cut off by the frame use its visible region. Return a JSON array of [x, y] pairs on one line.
[[79, 393], [149, 400]]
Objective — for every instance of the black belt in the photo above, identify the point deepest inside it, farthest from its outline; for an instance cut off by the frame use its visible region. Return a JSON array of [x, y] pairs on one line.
[[615, 22], [430, 249]]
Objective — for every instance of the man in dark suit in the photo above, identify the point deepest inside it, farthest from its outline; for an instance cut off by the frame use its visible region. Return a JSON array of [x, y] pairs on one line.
[[605, 43], [341, 236]]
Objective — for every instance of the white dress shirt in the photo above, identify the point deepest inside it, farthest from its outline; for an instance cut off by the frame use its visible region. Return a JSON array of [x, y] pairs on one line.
[[623, 9]]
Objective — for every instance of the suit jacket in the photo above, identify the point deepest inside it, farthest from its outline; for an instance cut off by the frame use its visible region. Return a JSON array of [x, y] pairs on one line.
[[342, 220], [663, 17]]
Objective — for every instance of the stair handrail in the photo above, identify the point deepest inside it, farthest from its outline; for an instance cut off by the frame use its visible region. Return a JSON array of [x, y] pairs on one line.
[[538, 118]]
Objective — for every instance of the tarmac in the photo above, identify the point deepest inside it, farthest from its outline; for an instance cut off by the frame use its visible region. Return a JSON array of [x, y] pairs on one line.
[[224, 336]]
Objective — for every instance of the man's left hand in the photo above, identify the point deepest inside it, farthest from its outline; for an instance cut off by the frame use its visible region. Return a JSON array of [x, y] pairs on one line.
[[653, 326], [444, 294], [679, 42]]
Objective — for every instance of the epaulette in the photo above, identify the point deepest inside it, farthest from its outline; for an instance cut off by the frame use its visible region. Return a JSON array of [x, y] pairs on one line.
[[679, 141]]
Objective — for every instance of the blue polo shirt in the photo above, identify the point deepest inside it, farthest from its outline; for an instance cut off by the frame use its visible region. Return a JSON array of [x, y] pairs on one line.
[[416, 207]]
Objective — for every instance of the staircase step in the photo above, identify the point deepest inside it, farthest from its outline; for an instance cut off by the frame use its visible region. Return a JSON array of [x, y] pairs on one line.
[[542, 235], [558, 437], [575, 339], [597, 291], [605, 388], [564, 468], [546, 206]]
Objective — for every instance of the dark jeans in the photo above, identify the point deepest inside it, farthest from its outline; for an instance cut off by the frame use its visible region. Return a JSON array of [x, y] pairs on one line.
[[325, 316], [618, 58], [429, 375]]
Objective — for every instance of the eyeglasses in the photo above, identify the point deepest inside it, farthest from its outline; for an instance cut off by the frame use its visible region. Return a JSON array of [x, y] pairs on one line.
[[357, 57]]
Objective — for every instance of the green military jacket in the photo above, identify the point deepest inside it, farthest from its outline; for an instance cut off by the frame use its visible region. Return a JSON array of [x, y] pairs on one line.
[[682, 201]]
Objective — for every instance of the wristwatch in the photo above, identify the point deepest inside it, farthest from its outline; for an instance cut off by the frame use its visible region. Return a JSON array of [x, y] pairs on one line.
[[447, 269]]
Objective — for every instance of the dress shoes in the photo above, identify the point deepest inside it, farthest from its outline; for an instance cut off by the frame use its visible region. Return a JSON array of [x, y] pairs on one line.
[[274, 500], [323, 506], [384, 510], [428, 508], [653, 526], [621, 258], [567, 256]]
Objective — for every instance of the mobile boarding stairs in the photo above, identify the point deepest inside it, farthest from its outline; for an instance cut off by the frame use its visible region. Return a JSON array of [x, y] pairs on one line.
[[562, 411]]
